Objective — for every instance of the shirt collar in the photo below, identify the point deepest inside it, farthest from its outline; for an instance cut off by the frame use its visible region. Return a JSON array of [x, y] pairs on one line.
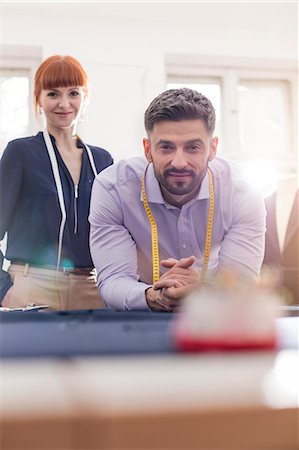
[[152, 187], [153, 190], [204, 191]]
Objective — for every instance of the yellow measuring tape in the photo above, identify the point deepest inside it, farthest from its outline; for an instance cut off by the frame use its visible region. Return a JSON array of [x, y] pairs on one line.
[[154, 230]]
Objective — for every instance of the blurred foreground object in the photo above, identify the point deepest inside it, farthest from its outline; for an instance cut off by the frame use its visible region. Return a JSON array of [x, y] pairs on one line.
[[229, 314]]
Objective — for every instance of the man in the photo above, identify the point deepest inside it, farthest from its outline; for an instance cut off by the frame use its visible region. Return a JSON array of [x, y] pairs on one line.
[[154, 244]]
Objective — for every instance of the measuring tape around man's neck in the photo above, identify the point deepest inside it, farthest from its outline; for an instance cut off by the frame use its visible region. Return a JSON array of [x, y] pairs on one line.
[[154, 231]]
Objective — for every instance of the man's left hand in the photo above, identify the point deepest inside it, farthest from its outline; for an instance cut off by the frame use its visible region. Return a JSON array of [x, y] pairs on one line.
[[180, 279]]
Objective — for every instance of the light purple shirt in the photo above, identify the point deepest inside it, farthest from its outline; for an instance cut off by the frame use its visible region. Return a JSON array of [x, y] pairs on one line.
[[120, 234]]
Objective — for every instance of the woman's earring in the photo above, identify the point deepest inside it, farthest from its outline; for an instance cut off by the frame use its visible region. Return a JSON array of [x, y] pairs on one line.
[[40, 110]]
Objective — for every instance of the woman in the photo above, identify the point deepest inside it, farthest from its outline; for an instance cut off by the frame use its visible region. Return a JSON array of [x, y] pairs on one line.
[[46, 183]]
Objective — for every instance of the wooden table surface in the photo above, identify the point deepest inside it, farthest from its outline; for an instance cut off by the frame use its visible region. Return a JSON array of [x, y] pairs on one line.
[[217, 401]]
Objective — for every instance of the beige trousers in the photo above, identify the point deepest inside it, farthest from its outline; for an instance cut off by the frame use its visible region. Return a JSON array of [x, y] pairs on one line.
[[59, 290]]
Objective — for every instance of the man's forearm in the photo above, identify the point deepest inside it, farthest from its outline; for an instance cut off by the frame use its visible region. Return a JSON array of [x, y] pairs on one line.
[[124, 293]]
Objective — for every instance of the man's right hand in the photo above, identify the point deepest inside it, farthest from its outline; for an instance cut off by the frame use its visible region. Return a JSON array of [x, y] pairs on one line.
[[175, 284], [180, 279], [157, 300]]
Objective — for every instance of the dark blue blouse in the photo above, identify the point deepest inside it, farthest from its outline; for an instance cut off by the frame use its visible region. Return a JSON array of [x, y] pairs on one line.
[[30, 211]]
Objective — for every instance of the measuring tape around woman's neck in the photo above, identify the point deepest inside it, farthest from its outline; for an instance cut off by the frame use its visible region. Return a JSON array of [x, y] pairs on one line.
[[154, 230]]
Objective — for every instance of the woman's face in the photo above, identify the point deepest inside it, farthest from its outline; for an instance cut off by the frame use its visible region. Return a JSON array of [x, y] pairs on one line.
[[62, 106]]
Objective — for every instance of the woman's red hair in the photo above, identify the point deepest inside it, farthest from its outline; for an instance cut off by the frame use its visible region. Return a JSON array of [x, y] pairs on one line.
[[59, 71]]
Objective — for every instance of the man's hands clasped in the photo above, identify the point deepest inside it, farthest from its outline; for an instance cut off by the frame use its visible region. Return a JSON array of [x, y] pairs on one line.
[[175, 284]]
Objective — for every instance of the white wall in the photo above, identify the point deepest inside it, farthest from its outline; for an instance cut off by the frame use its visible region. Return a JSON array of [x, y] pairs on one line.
[[123, 46]]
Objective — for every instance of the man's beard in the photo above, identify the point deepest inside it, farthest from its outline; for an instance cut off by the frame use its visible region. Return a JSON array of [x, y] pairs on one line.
[[178, 187]]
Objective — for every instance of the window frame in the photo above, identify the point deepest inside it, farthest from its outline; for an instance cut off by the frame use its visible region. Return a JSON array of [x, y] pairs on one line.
[[230, 72], [28, 62]]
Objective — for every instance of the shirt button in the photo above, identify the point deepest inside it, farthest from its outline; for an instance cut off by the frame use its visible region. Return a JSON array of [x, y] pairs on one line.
[[184, 246]]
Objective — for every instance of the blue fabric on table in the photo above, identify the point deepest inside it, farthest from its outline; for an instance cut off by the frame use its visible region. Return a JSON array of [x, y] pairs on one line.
[[77, 333]]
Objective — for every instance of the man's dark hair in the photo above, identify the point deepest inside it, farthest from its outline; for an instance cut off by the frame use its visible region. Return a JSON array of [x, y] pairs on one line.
[[180, 104]]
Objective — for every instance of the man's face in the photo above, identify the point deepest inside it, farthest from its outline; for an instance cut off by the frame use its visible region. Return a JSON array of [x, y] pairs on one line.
[[180, 152]]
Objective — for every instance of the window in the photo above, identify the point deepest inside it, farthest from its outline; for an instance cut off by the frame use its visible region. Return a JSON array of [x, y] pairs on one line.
[[265, 118], [14, 111], [211, 88], [18, 65], [256, 108]]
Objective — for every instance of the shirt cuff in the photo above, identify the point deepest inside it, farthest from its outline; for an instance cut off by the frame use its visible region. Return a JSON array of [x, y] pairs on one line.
[[124, 294]]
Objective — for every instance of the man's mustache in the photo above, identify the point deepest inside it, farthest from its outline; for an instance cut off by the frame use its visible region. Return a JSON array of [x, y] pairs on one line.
[[172, 170]]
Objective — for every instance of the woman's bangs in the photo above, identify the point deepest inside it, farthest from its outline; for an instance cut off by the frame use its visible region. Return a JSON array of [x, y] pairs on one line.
[[62, 75]]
